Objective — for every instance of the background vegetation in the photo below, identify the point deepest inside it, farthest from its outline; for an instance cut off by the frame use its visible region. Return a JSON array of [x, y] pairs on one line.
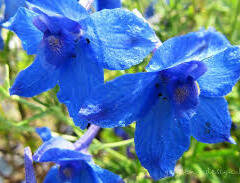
[[203, 163]]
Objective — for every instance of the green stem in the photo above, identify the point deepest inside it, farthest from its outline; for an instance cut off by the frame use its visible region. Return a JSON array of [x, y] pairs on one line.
[[111, 151], [18, 99], [194, 5], [235, 18], [139, 4], [195, 149], [34, 117], [58, 113], [67, 137], [7, 125], [112, 145], [40, 102], [7, 77]]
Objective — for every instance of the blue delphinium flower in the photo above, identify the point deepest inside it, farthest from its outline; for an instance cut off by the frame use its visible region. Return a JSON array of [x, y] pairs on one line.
[[11, 7], [73, 164], [107, 4], [72, 47], [180, 96]]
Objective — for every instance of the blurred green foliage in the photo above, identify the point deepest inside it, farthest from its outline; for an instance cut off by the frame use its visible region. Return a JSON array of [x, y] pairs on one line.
[[203, 163]]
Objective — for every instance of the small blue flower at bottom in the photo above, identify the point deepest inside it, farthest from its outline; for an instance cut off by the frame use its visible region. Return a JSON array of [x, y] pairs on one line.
[[74, 165], [180, 96]]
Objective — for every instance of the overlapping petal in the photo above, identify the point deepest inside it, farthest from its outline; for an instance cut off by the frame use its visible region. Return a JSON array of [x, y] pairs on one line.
[[52, 175], [58, 150], [77, 79], [222, 74], [80, 175], [212, 121], [11, 7], [37, 78], [160, 140], [121, 101], [23, 26], [70, 8], [86, 172], [119, 38], [192, 46], [104, 175]]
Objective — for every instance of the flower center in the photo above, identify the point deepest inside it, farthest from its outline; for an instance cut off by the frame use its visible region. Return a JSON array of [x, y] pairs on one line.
[[55, 44], [59, 38], [181, 94], [67, 172], [180, 88]]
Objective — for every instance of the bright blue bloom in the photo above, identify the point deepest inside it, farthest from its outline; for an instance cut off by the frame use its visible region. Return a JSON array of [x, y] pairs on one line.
[[180, 96], [72, 165], [72, 47], [107, 4]]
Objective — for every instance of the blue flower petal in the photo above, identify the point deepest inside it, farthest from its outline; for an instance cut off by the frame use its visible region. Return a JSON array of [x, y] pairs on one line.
[[193, 46], [212, 121], [119, 38], [108, 4], [58, 150], [222, 74], [35, 79], [53, 175], [160, 140], [121, 101], [23, 26], [70, 8], [81, 171], [29, 169], [11, 7], [106, 176], [77, 79], [44, 133], [85, 174]]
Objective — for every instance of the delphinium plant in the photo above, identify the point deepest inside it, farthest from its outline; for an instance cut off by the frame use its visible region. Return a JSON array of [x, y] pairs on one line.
[[111, 67]]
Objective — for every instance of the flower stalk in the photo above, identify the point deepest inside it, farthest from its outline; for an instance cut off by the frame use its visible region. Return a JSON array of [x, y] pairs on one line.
[[84, 142]]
